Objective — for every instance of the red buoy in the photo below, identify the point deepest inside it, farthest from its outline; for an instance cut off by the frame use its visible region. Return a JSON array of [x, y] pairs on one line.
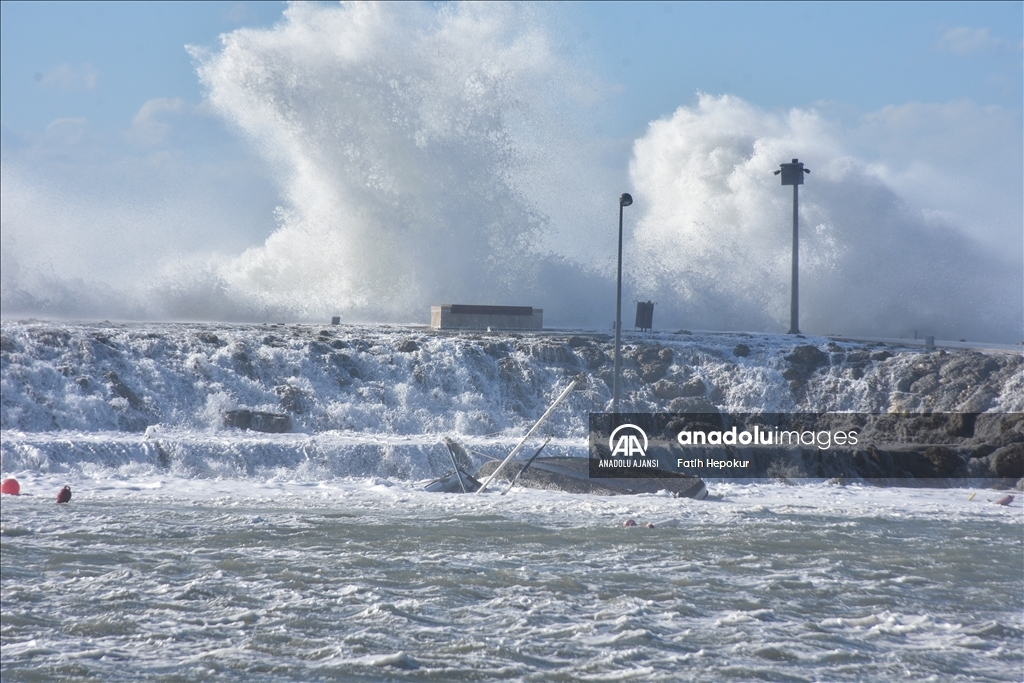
[[64, 495], [10, 486]]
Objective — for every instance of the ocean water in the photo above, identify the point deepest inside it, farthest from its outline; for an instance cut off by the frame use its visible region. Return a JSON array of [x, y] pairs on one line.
[[174, 579], [194, 551]]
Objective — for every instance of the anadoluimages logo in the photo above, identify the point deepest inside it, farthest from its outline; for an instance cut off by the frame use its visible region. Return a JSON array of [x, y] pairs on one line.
[[627, 443]]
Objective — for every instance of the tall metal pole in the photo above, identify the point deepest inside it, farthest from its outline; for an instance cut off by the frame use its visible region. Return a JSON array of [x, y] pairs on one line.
[[793, 174], [794, 304], [618, 322], [624, 200]]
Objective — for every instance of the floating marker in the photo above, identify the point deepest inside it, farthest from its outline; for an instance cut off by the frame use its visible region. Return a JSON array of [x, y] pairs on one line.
[[11, 487]]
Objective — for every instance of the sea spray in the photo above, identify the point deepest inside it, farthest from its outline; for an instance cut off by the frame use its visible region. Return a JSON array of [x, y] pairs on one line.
[[713, 240], [445, 154], [407, 141]]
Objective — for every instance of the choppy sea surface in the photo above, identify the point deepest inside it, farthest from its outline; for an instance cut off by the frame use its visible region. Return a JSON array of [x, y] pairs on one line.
[[192, 550], [174, 579]]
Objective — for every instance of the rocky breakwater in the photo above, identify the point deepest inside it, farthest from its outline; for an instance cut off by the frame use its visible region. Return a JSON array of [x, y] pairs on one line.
[[966, 405], [739, 372], [673, 372], [198, 379], [933, 449]]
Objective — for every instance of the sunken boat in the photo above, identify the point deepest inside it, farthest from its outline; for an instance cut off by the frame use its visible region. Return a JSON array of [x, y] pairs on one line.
[[571, 475]]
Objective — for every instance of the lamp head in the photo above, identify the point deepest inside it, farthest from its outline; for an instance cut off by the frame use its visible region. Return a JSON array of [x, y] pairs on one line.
[[792, 173], [625, 199]]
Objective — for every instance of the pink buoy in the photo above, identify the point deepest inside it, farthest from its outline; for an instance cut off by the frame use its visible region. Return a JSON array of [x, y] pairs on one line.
[[1005, 500], [65, 495], [11, 487], [629, 522]]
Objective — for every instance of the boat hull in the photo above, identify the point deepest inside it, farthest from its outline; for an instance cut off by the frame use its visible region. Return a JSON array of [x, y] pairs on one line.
[[572, 475]]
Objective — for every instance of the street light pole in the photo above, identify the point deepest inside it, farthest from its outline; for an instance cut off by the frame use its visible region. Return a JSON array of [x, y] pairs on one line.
[[624, 200], [793, 174], [794, 296]]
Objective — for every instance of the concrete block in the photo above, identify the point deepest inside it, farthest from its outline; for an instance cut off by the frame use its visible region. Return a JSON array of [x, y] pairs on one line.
[[473, 317]]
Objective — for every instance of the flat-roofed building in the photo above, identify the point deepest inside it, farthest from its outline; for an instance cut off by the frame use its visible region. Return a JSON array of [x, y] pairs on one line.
[[473, 317]]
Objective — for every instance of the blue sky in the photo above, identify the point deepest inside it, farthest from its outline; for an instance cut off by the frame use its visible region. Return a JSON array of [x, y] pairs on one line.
[[102, 61], [129, 159]]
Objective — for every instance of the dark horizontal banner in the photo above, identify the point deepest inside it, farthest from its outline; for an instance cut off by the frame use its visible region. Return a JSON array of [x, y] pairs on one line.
[[471, 309], [816, 445]]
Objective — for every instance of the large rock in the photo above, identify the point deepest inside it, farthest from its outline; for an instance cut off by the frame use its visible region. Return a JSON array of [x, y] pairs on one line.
[[961, 424], [408, 346], [549, 352], [1008, 461], [292, 398], [691, 404], [120, 389], [666, 390], [258, 421], [210, 338], [693, 388], [654, 354], [808, 356], [804, 360], [591, 356], [244, 364], [652, 372], [943, 460]]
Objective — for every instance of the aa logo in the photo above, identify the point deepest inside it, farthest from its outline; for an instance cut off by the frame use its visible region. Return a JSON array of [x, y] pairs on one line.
[[626, 441]]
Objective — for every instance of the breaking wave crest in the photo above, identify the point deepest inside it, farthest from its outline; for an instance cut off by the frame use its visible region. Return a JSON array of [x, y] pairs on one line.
[[713, 240], [408, 143], [428, 155]]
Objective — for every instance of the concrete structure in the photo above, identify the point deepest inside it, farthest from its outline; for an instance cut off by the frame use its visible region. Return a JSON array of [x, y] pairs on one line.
[[468, 317]]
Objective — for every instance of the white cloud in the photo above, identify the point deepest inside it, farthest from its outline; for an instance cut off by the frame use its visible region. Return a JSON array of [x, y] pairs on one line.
[[241, 13], [964, 40], [66, 132], [150, 126], [70, 77]]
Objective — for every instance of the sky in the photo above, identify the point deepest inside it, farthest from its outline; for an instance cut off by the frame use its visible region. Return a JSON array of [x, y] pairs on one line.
[[103, 61], [248, 161]]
